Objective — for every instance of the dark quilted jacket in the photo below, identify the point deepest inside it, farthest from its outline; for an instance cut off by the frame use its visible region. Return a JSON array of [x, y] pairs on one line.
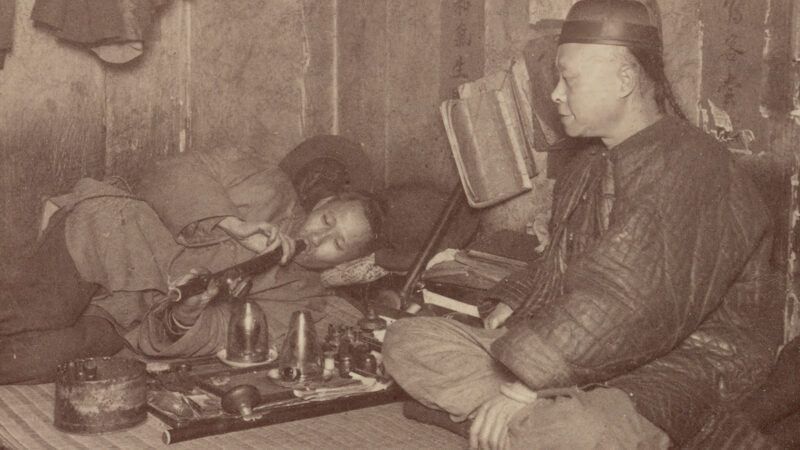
[[727, 430], [666, 304]]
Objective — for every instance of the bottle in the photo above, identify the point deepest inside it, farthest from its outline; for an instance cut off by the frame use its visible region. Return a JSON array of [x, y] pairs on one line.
[[370, 365], [332, 339], [345, 366], [90, 369], [371, 322], [328, 364]]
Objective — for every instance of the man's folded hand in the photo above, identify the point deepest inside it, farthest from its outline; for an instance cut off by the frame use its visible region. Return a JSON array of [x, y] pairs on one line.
[[490, 425]]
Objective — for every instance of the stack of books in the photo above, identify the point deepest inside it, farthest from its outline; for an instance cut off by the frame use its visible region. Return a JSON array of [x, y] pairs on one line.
[[461, 285]]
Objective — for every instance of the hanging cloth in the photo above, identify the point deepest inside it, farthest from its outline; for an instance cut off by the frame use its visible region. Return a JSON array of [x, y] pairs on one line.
[[80, 21], [137, 19], [6, 28], [115, 30]]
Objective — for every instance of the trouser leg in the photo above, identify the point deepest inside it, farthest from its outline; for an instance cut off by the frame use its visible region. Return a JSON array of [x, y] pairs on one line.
[[32, 357], [41, 315], [447, 365], [47, 291], [444, 364], [603, 418]]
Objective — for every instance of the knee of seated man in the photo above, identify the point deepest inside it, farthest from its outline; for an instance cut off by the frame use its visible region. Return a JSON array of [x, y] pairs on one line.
[[397, 339], [604, 417], [404, 338]]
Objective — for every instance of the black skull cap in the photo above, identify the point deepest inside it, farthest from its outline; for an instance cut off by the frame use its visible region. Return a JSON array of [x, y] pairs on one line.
[[627, 23]]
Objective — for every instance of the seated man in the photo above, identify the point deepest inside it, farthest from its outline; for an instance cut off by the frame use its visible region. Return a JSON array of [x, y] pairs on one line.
[[649, 295], [121, 251]]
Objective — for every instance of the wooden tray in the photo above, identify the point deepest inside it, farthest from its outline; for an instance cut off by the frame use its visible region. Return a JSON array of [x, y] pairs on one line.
[[199, 387]]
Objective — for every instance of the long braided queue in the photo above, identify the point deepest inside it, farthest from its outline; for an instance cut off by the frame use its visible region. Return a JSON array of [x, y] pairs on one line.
[[576, 223]]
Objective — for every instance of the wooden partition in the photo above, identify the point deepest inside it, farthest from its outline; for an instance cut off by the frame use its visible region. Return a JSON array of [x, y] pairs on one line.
[[255, 73]]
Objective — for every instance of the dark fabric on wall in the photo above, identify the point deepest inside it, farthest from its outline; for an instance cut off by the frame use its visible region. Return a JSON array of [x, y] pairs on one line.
[[81, 21], [92, 22], [6, 28]]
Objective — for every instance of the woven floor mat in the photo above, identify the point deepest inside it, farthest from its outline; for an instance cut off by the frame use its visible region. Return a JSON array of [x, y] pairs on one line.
[[26, 422]]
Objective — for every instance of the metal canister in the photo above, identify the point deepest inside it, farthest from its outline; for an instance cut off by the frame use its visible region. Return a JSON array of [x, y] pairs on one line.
[[328, 364], [345, 366], [116, 397], [370, 364]]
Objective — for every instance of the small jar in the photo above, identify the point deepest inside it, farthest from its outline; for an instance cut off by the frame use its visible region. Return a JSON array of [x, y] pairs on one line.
[[370, 364], [328, 365], [345, 366], [90, 370]]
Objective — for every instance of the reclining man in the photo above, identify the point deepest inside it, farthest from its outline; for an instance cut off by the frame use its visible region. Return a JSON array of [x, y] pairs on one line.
[[649, 296], [197, 210]]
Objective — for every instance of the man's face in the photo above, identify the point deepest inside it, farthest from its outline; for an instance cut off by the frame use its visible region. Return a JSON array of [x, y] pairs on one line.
[[335, 231], [587, 90]]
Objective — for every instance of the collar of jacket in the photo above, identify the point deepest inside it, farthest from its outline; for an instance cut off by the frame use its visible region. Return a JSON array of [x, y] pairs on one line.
[[644, 137], [634, 157]]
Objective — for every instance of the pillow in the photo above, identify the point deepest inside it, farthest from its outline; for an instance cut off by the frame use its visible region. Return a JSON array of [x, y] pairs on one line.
[[357, 271]]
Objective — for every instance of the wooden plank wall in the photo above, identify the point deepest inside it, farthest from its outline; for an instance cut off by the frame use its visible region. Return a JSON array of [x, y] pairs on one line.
[[362, 76], [749, 73], [239, 72], [389, 78], [145, 100], [51, 125], [390, 67], [249, 59]]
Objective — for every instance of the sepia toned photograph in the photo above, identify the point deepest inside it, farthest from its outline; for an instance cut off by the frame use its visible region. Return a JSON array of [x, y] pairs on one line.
[[400, 224]]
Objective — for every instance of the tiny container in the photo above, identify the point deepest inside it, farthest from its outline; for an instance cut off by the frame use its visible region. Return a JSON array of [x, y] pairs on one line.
[[370, 364], [345, 366], [328, 365]]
